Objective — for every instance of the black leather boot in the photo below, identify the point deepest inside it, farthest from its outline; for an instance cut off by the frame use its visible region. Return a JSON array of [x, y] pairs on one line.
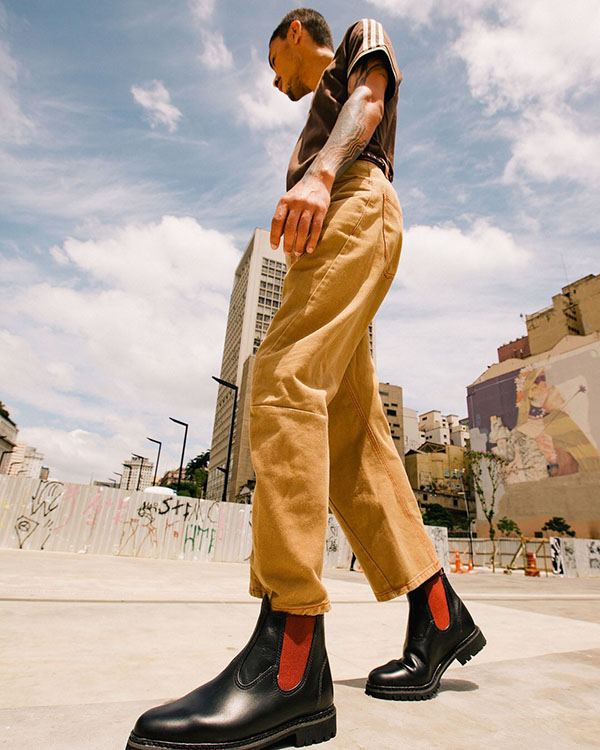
[[428, 651], [243, 708]]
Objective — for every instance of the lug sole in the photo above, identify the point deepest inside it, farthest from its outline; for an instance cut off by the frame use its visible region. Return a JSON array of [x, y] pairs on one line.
[[464, 652], [307, 730]]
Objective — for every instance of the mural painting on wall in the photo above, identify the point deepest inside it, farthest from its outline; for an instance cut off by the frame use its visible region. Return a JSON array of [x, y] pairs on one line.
[[544, 430]]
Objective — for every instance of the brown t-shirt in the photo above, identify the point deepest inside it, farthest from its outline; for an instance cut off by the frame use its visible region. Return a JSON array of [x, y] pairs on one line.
[[363, 38]]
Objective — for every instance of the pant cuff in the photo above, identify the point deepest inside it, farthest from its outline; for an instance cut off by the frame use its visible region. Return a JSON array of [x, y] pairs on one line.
[[314, 609], [384, 596]]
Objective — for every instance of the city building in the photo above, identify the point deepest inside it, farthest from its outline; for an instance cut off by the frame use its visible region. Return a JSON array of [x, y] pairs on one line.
[[8, 438], [413, 437], [575, 311], [137, 474], [391, 398], [255, 297], [443, 429], [541, 414], [435, 473], [25, 461]]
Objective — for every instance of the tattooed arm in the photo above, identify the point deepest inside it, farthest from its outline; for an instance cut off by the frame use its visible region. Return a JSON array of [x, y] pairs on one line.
[[300, 213]]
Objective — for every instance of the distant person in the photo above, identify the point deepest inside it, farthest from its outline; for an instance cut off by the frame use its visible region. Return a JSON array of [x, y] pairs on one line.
[[318, 433]]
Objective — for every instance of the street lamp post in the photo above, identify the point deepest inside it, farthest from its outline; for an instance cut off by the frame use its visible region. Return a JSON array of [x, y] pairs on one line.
[[152, 440], [141, 467], [182, 450], [235, 393]]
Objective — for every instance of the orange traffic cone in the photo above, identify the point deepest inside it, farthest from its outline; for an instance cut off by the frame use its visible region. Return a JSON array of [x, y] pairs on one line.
[[457, 563], [531, 569], [470, 564]]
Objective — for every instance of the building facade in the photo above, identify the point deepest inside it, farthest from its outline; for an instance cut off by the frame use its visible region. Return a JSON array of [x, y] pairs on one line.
[[25, 461], [137, 474], [541, 414], [391, 398], [8, 439]]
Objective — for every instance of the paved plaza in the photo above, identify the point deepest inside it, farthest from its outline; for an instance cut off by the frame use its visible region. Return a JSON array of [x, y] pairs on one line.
[[90, 642]]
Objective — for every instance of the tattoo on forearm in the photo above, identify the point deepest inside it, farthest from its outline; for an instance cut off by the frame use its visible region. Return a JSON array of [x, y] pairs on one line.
[[349, 136]]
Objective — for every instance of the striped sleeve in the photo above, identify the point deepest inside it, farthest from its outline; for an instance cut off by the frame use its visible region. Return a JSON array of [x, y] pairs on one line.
[[368, 36]]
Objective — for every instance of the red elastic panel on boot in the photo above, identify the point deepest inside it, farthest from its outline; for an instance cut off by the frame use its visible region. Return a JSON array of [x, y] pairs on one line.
[[438, 604], [297, 640]]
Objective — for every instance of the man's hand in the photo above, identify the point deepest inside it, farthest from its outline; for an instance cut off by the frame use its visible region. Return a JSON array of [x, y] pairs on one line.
[[299, 215]]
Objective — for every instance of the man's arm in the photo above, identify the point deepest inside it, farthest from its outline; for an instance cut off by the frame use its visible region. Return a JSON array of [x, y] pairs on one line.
[[300, 213]]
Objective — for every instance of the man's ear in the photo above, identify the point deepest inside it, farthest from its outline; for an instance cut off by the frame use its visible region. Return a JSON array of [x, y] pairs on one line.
[[295, 31]]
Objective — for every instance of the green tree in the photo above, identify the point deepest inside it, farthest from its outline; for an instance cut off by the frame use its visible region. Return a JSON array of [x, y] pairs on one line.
[[559, 525], [436, 515], [507, 526], [186, 489], [196, 472], [475, 463]]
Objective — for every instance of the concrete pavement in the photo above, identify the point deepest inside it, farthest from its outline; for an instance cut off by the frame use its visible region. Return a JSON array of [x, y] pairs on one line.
[[89, 642]]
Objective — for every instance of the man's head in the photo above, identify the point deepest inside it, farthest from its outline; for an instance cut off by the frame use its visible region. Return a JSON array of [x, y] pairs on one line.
[[296, 49]]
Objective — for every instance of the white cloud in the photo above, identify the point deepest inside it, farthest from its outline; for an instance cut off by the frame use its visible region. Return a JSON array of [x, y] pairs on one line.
[[552, 144], [155, 99], [456, 297], [537, 59], [263, 107], [202, 10], [215, 54], [130, 336]]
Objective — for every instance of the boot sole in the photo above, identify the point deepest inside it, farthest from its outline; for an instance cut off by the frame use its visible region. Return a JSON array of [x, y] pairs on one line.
[[464, 652], [307, 730]]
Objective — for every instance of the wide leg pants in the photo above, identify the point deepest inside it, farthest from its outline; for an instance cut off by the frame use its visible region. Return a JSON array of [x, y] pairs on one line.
[[318, 433]]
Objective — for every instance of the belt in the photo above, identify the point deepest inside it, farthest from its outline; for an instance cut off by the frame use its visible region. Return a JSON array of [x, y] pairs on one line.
[[379, 161]]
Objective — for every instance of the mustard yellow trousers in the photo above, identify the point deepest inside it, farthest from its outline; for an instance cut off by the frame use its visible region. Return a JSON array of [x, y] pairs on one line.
[[318, 433]]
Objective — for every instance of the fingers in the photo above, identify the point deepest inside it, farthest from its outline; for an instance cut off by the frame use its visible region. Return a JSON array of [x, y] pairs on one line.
[[315, 231], [302, 231], [278, 223]]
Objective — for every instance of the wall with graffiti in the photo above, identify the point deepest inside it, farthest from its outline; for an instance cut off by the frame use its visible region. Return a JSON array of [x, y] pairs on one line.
[[544, 419], [59, 517], [575, 558]]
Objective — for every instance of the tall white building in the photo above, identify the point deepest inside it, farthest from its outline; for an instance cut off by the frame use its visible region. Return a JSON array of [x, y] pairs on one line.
[[255, 297], [137, 474]]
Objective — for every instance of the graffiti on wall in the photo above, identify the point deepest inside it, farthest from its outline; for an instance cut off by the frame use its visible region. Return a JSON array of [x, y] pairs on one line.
[[37, 520], [538, 420], [39, 515]]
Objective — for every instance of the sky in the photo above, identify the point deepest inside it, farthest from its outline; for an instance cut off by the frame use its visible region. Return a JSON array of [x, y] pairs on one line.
[[141, 142]]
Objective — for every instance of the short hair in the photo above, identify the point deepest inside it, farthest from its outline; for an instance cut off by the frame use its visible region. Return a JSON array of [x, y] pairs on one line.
[[312, 21]]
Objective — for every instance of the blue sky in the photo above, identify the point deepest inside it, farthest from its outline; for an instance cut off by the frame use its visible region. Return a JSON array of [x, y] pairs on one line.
[[141, 142]]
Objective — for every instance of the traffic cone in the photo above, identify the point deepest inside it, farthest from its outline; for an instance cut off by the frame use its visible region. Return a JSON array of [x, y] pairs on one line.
[[531, 569], [457, 563], [470, 564]]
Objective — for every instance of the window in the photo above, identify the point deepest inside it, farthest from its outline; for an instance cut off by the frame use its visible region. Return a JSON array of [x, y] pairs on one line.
[[392, 412]]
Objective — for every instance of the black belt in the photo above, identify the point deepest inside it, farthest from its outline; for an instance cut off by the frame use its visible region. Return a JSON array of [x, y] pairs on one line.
[[379, 161]]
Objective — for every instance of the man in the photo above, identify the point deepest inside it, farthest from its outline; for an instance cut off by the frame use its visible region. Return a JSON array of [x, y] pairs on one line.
[[318, 434]]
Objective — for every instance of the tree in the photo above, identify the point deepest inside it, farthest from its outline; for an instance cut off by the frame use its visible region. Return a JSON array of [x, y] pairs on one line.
[[507, 526], [186, 489], [475, 462], [436, 515], [196, 472], [559, 525]]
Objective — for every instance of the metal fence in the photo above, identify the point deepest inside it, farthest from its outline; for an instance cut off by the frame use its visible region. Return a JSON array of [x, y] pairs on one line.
[[40, 515]]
